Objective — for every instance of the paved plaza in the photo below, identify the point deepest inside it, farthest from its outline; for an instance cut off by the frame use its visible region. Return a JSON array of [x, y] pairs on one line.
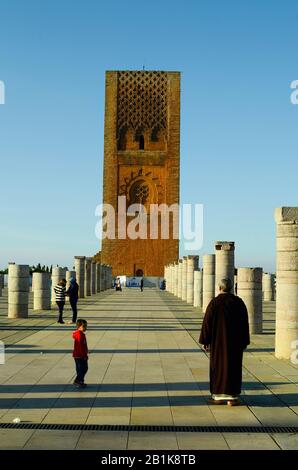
[[145, 369]]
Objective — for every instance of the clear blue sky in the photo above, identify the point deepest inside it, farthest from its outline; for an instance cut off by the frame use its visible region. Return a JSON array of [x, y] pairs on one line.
[[238, 128]]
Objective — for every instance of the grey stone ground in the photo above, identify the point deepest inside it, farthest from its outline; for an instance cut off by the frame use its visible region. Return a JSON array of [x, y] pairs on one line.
[[145, 367]]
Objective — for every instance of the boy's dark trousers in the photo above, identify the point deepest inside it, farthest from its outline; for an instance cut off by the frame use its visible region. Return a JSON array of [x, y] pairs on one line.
[[61, 307], [81, 368], [73, 303]]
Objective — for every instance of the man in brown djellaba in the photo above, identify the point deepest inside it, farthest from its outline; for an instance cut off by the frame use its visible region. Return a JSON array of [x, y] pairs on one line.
[[225, 333]]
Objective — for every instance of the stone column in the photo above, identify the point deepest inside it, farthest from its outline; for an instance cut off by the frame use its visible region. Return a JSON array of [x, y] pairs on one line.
[[198, 288], [111, 277], [93, 277], [108, 277], [268, 287], [80, 274], [192, 265], [42, 291], [224, 262], [166, 276], [179, 291], [208, 280], [184, 279], [169, 278], [98, 277], [177, 277], [286, 282], [88, 276], [9, 264], [57, 275], [18, 291], [105, 276], [102, 277], [176, 267], [250, 291], [173, 277]]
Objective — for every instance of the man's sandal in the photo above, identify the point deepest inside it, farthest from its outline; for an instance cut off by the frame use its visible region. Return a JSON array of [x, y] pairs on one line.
[[211, 401], [234, 402]]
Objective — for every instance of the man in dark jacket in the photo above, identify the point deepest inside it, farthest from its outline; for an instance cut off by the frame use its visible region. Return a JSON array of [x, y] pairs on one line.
[[73, 294], [225, 333]]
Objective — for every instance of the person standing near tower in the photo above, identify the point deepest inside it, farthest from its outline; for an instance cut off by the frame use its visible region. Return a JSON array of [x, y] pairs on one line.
[[80, 352], [59, 290], [73, 294], [142, 284], [118, 284], [225, 333]]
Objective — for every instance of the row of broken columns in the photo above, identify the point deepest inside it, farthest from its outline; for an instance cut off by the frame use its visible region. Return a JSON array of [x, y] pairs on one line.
[[92, 278], [198, 287]]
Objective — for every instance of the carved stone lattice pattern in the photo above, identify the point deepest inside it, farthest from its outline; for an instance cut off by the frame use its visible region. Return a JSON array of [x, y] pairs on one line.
[[142, 100], [140, 193]]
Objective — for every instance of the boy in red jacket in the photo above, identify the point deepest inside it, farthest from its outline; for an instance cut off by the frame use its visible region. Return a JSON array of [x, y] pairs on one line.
[[80, 352]]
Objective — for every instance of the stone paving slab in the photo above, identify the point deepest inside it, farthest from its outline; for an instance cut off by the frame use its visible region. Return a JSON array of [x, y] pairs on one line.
[[152, 441], [53, 440], [145, 368], [201, 441], [286, 441], [250, 441], [14, 438], [101, 440]]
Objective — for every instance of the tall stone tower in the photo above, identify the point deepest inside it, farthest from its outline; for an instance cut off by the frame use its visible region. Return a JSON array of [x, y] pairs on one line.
[[141, 162]]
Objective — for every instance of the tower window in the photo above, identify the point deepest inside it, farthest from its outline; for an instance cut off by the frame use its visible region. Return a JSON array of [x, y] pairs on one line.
[[141, 142], [139, 192], [122, 139], [154, 134]]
